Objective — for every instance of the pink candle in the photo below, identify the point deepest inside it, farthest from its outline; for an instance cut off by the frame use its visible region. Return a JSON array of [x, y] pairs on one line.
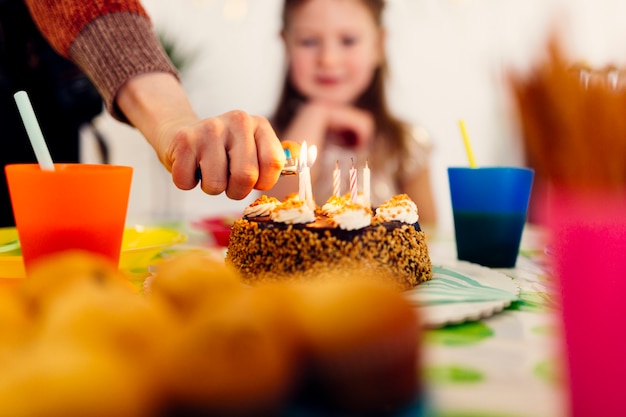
[[353, 183], [337, 180]]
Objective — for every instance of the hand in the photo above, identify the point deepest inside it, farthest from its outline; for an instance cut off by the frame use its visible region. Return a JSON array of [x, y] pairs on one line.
[[235, 151], [314, 120], [354, 125]]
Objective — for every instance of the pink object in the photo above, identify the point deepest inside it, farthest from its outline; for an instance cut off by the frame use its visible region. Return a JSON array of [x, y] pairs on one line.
[[353, 184], [589, 244], [218, 227], [337, 180]]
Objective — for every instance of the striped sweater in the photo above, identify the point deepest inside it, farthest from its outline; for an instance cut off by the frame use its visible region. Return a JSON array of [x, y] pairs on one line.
[[111, 40]]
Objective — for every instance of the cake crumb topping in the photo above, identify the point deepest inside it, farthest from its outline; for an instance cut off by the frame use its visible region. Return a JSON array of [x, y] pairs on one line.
[[261, 254], [399, 208], [300, 243]]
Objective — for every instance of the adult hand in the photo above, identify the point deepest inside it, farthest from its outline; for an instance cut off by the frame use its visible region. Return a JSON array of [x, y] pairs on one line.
[[236, 152]]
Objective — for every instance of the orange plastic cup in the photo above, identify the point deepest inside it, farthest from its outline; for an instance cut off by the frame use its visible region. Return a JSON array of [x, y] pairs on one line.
[[76, 206]]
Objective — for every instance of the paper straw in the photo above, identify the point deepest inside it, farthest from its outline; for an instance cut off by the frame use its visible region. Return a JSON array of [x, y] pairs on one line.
[[468, 146], [34, 131]]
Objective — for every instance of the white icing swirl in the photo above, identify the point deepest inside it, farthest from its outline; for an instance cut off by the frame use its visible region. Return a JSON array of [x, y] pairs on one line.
[[352, 218], [398, 209], [330, 208], [334, 205], [259, 210], [261, 207], [293, 212]]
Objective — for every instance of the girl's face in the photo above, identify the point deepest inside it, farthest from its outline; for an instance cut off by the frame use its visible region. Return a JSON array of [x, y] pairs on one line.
[[333, 48]]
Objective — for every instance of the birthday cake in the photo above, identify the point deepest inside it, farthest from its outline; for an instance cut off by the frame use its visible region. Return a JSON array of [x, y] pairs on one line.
[[295, 240]]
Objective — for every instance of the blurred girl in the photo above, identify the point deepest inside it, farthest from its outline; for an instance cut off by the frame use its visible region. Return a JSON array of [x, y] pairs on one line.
[[333, 97]]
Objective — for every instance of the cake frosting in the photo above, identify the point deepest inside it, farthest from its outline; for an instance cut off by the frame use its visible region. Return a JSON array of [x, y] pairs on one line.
[[399, 209], [287, 240], [292, 212], [262, 206], [352, 217]]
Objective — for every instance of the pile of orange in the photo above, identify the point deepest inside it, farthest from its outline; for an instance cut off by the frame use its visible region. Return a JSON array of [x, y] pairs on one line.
[[77, 339]]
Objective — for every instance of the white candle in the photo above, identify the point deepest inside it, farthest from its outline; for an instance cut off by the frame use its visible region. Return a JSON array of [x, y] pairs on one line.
[[353, 183], [366, 185], [311, 156], [337, 180], [302, 181], [308, 189]]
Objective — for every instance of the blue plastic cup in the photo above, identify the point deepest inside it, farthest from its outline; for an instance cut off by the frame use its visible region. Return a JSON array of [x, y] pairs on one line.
[[489, 205]]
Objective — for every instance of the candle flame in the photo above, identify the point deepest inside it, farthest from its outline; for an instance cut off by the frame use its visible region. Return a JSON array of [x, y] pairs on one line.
[[303, 154]]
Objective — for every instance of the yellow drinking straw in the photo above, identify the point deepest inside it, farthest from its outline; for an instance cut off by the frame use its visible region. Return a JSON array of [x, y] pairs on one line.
[[468, 146]]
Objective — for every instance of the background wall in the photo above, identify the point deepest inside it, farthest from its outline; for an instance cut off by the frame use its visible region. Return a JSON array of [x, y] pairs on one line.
[[448, 60]]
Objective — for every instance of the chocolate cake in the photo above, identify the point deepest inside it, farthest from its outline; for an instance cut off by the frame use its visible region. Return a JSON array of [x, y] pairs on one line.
[[278, 241]]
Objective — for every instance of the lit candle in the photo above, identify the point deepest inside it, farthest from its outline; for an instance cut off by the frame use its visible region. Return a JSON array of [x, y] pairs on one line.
[[353, 183], [303, 172], [337, 180], [366, 185], [311, 157]]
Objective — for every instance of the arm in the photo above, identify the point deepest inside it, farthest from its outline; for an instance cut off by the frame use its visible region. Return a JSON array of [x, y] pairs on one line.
[[113, 42], [235, 151]]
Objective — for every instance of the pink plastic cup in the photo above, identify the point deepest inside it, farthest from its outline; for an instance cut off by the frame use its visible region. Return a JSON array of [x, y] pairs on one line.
[[589, 245]]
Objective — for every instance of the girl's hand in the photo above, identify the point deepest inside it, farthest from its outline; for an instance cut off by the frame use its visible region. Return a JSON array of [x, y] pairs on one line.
[[355, 126]]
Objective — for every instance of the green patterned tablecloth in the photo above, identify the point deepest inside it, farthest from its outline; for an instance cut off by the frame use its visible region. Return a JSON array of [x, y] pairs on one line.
[[506, 365]]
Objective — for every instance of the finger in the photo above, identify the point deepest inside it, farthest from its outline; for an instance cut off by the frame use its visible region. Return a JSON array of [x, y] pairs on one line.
[[270, 153], [183, 161], [183, 172], [213, 159], [242, 155]]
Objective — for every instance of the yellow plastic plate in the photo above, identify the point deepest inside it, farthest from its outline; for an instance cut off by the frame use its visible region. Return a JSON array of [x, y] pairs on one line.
[[140, 245]]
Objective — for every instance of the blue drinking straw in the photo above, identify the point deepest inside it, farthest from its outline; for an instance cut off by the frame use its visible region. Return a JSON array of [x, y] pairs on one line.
[[34, 131]]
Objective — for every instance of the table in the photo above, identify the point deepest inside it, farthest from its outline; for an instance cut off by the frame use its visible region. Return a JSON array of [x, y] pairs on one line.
[[507, 365]]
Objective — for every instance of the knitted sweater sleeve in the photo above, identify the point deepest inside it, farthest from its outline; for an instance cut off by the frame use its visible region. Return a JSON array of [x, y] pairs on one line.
[[111, 40]]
